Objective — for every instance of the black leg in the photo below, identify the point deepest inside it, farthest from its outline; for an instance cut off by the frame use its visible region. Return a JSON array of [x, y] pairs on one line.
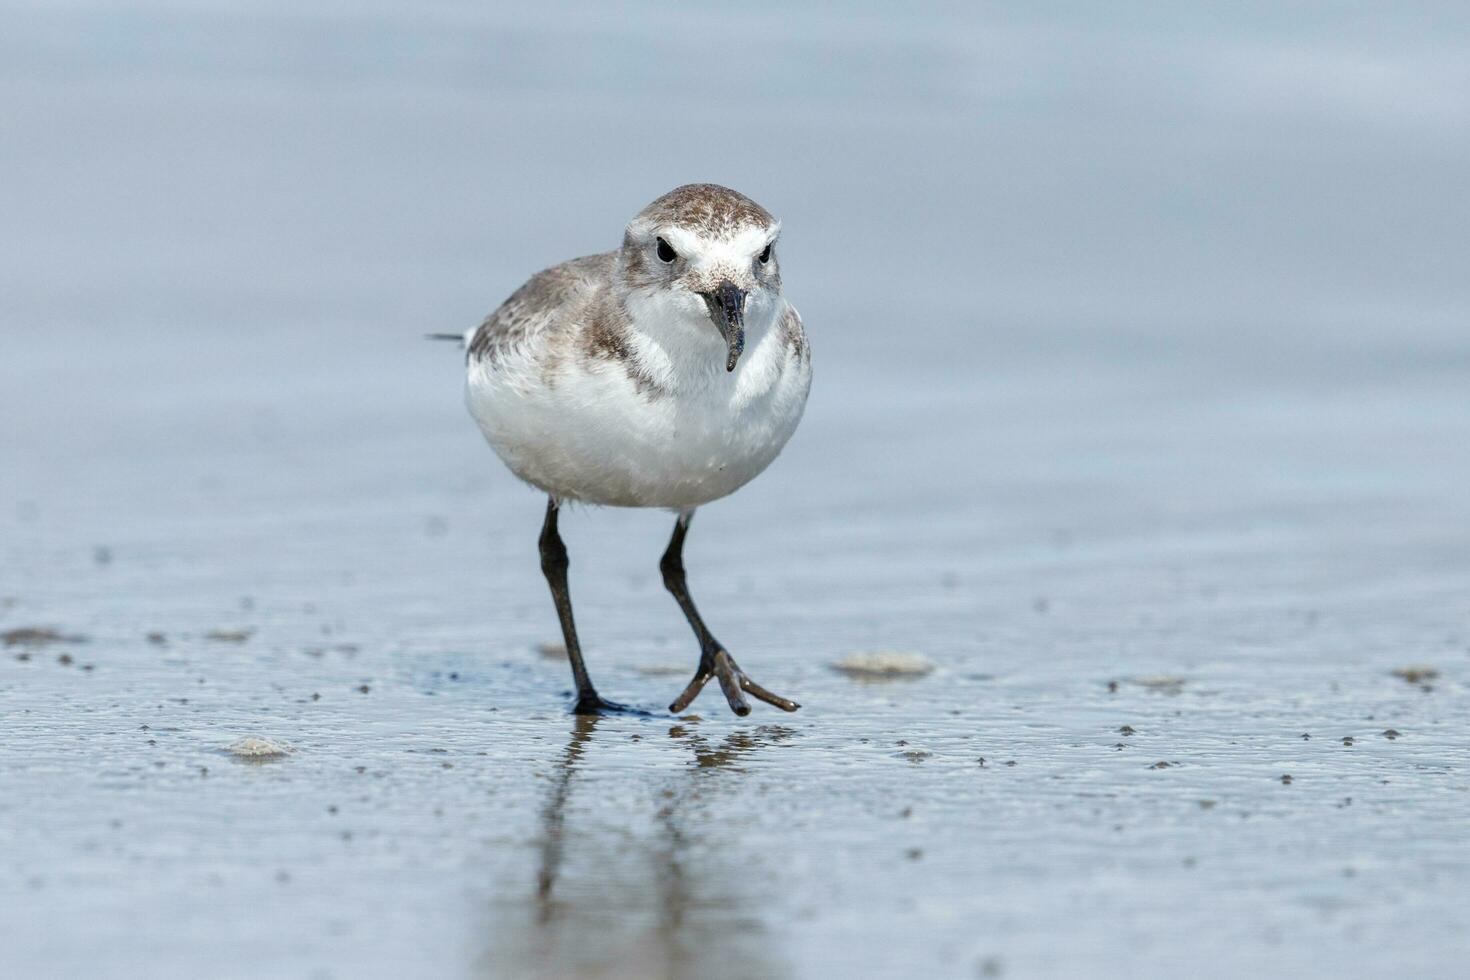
[[714, 659], [554, 565]]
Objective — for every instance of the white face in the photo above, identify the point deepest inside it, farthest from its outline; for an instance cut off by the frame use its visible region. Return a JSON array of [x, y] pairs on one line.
[[686, 265], [711, 288], [708, 261]]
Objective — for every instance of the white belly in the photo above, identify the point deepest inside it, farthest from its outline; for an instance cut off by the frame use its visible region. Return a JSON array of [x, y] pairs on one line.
[[592, 435]]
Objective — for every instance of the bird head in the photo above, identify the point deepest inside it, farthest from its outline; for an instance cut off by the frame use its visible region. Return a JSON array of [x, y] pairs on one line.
[[706, 254]]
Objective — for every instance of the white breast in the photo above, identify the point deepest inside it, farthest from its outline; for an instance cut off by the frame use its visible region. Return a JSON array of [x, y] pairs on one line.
[[584, 429]]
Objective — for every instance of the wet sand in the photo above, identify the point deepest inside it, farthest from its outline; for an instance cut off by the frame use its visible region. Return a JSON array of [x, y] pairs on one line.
[[1194, 587]]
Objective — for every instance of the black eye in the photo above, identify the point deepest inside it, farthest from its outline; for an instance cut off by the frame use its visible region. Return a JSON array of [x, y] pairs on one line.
[[765, 255], [666, 252]]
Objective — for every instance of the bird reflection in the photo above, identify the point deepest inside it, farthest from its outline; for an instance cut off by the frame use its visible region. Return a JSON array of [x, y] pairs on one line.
[[553, 814], [613, 900]]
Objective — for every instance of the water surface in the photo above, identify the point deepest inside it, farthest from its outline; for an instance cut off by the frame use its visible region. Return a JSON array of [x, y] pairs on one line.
[[1140, 410]]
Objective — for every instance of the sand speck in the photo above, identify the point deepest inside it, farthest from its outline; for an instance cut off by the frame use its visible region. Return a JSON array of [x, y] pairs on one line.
[[34, 636], [1417, 673], [663, 670]]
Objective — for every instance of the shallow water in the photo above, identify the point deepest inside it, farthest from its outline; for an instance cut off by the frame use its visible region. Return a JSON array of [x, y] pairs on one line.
[[1167, 477]]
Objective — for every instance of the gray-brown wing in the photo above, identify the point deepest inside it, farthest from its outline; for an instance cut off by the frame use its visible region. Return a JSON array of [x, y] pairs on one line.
[[552, 299], [793, 334]]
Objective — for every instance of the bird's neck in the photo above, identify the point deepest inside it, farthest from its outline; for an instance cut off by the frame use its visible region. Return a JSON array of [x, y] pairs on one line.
[[675, 341]]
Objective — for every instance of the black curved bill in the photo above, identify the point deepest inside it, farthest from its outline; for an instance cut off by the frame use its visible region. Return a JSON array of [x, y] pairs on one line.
[[727, 309]]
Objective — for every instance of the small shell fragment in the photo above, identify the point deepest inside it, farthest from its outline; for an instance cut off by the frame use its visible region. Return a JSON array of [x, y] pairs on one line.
[[1161, 683], [883, 664], [258, 748]]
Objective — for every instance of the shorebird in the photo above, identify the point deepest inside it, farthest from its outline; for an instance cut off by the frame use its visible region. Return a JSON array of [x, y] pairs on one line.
[[667, 373]]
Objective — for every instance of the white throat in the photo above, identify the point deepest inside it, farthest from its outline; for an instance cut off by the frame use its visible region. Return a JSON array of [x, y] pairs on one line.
[[680, 346]]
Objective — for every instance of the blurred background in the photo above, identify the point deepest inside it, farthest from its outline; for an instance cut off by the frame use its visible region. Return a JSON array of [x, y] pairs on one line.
[[1142, 343]]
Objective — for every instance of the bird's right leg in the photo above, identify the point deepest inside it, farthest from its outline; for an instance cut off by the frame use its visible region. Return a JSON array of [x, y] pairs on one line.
[[554, 565], [714, 659]]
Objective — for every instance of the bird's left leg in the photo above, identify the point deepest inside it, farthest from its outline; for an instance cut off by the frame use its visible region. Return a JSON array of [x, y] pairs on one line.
[[714, 659], [554, 564]]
